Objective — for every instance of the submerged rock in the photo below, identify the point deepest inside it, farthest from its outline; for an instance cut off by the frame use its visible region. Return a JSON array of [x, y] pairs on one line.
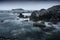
[[53, 32], [53, 36], [40, 25], [21, 15], [2, 20]]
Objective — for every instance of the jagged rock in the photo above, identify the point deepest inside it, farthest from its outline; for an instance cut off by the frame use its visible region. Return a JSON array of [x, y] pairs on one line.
[[40, 15], [55, 13], [21, 15], [51, 14]]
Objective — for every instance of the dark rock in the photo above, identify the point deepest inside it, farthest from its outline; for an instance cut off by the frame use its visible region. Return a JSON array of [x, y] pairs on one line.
[[2, 20], [49, 29], [51, 14], [54, 22], [21, 15], [44, 14], [34, 16], [55, 13], [40, 25], [26, 17], [54, 36], [40, 15]]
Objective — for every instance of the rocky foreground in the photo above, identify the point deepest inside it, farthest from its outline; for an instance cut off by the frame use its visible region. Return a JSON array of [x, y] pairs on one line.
[[48, 20]]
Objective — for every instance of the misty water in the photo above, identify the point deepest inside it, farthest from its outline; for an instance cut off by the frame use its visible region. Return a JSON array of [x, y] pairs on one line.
[[20, 29]]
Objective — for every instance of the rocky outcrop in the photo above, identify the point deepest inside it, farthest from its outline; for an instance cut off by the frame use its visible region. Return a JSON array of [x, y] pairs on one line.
[[21, 15], [44, 14], [34, 16], [55, 13], [39, 15], [51, 14]]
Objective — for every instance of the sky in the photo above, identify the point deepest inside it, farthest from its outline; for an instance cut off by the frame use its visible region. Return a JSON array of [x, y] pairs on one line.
[[27, 5], [29, 0]]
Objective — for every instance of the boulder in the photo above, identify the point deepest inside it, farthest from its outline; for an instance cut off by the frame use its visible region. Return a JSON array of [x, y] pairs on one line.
[[44, 14], [39, 15], [34, 16], [51, 14], [55, 13], [21, 15]]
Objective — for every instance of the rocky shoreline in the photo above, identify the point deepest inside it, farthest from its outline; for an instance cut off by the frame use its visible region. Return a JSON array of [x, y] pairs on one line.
[[44, 24]]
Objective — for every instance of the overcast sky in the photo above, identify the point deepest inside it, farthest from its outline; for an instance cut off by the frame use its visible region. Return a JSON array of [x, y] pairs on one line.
[[29, 0], [28, 5]]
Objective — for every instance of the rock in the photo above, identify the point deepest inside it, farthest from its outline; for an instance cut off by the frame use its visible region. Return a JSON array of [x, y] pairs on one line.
[[49, 29], [2, 20], [54, 36], [44, 15], [53, 33], [34, 16], [26, 17], [21, 15], [40, 25], [40, 15], [55, 13], [42, 12], [54, 22], [51, 14]]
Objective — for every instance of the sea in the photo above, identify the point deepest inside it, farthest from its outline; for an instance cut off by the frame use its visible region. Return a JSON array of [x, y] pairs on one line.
[[13, 27]]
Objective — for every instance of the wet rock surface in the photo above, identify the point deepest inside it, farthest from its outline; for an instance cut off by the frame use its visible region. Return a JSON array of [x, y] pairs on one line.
[[51, 14], [39, 24], [21, 15], [51, 18]]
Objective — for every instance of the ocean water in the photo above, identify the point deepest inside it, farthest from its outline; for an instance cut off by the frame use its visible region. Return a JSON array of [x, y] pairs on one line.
[[12, 28], [26, 14]]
